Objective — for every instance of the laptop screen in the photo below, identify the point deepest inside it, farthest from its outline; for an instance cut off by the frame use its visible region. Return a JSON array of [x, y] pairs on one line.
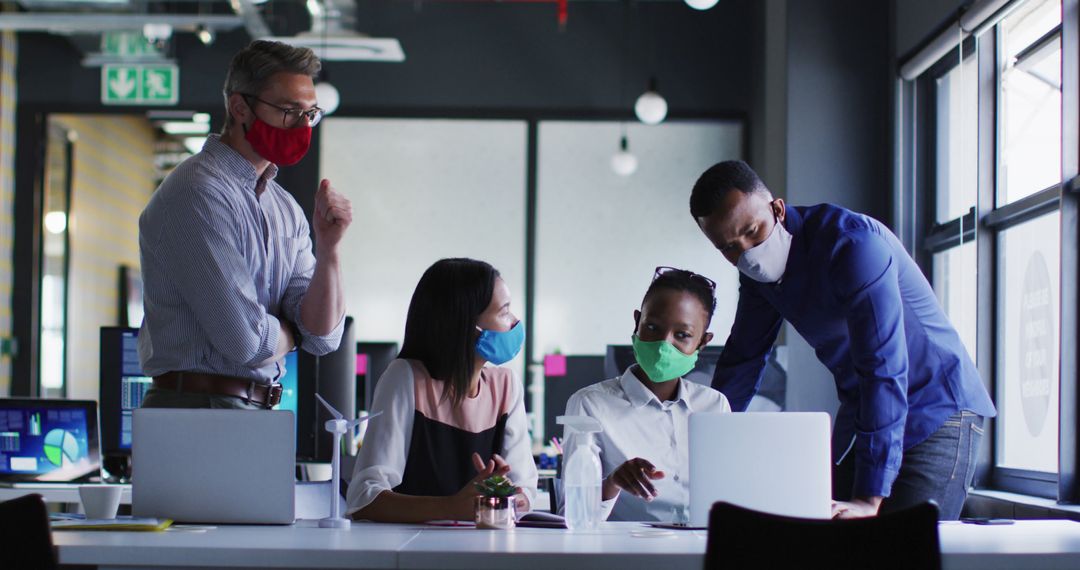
[[48, 440]]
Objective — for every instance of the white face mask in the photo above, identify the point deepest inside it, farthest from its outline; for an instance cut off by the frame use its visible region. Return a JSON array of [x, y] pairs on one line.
[[766, 261]]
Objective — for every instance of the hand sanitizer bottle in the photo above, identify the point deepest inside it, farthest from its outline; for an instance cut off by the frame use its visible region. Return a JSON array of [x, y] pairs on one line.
[[581, 472]]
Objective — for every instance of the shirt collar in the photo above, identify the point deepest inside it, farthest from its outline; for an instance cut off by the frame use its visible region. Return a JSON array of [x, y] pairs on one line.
[[235, 163], [640, 396]]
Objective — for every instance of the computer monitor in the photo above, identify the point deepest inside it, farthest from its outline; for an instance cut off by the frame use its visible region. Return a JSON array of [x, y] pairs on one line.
[[49, 440], [122, 387], [580, 371], [332, 376], [372, 359], [771, 395], [290, 384]]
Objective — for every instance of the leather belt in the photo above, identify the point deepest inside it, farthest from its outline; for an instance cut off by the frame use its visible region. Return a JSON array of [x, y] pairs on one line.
[[265, 395]]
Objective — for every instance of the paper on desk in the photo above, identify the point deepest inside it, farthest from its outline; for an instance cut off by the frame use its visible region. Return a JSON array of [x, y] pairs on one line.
[[119, 523]]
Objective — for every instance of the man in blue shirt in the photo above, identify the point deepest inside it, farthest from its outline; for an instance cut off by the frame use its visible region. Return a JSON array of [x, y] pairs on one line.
[[911, 401]]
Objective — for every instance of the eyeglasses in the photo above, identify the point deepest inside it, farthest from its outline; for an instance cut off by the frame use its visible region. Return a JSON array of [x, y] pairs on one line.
[[291, 117], [663, 269]]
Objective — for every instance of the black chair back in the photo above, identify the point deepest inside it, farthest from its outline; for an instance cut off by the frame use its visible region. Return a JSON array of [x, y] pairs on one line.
[[744, 538], [25, 537]]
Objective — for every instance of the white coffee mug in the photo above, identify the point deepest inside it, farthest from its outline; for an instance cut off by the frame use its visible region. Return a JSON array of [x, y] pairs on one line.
[[100, 501]]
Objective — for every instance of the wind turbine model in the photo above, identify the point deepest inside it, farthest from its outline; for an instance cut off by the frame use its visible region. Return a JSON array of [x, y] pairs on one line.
[[338, 426]]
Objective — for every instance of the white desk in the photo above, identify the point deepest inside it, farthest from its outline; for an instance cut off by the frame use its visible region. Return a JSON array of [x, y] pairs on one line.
[[1026, 544], [58, 493]]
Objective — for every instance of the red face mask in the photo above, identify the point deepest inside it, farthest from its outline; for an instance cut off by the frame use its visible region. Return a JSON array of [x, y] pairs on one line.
[[283, 147]]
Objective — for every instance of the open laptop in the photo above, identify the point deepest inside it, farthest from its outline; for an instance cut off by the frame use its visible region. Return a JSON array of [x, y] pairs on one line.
[[48, 442], [774, 462], [214, 466]]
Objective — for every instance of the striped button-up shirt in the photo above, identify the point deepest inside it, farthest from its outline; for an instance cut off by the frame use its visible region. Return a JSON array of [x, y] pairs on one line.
[[225, 255]]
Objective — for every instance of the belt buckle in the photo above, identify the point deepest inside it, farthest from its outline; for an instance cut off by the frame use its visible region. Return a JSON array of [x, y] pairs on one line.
[[273, 395]]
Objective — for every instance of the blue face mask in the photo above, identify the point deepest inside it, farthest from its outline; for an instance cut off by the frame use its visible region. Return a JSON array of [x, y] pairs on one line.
[[500, 347]]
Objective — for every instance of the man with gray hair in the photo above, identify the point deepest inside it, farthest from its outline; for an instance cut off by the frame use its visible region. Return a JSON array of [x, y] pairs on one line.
[[230, 280]]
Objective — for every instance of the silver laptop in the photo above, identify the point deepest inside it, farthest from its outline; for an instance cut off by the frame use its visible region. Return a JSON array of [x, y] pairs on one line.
[[214, 466], [774, 462]]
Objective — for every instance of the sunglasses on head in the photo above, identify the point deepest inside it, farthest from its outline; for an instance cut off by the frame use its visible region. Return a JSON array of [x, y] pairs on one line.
[[662, 270]]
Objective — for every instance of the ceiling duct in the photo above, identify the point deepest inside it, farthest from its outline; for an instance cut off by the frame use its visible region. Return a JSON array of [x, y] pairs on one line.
[[333, 35]]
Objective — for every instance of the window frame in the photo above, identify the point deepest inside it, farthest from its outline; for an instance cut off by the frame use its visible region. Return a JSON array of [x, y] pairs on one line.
[[986, 220]]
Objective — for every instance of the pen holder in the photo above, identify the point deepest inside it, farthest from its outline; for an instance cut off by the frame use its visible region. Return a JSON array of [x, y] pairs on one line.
[[495, 512]]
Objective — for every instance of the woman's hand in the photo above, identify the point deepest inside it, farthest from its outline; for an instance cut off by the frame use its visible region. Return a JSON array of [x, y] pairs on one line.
[[635, 477], [461, 504]]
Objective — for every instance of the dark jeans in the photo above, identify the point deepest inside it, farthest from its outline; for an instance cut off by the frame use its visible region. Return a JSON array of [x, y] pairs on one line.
[[940, 468], [157, 398]]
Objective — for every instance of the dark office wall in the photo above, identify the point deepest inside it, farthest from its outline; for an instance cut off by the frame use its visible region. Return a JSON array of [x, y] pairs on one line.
[[916, 20], [478, 59], [838, 135], [474, 58]]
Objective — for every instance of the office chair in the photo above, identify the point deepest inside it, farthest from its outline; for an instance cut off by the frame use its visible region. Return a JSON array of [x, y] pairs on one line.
[[744, 538], [25, 537]]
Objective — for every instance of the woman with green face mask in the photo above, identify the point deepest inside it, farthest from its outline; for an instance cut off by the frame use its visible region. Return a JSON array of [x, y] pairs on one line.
[[645, 412]]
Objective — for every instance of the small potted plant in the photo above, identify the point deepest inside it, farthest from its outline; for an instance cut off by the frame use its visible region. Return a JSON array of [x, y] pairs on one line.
[[495, 505]]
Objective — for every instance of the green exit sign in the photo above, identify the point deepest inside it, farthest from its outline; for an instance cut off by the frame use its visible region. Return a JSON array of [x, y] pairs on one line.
[[140, 84]]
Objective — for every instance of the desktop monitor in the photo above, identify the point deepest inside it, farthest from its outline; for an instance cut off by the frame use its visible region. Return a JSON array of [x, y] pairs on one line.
[[290, 383], [49, 440], [372, 359], [579, 371], [122, 387], [332, 376]]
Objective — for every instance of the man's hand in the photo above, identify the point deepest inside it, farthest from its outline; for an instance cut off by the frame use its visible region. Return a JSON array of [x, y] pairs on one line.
[[635, 477], [856, 508], [333, 214]]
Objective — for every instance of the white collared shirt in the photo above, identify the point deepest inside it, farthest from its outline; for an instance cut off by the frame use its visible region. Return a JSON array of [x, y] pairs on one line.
[[637, 424]]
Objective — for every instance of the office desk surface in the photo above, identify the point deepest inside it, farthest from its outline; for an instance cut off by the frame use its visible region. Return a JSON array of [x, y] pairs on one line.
[[1026, 544], [56, 493]]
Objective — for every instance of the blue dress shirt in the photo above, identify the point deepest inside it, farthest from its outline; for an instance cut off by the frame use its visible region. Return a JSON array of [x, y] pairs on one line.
[[858, 298]]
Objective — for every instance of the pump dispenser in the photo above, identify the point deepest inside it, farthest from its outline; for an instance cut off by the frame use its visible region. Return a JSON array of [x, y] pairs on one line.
[[581, 472]]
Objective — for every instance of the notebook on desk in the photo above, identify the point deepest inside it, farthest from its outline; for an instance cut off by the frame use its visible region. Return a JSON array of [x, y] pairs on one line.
[[49, 443]]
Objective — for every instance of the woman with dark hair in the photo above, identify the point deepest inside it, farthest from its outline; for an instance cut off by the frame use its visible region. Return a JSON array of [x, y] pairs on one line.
[[447, 420], [645, 412]]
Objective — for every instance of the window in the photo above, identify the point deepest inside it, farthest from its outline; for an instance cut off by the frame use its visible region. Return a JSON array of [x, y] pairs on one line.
[[956, 192], [1028, 250], [1028, 312], [987, 120], [1030, 88]]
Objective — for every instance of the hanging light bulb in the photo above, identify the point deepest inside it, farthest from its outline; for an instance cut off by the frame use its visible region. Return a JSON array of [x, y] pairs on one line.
[[651, 108], [624, 163], [328, 97], [701, 4], [206, 35]]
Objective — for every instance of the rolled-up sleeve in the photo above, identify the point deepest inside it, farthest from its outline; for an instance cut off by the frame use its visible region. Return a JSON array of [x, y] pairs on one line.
[[385, 448], [299, 281], [869, 292], [209, 271]]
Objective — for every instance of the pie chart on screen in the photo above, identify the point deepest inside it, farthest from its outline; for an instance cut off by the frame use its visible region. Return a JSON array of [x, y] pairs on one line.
[[61, 447]]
